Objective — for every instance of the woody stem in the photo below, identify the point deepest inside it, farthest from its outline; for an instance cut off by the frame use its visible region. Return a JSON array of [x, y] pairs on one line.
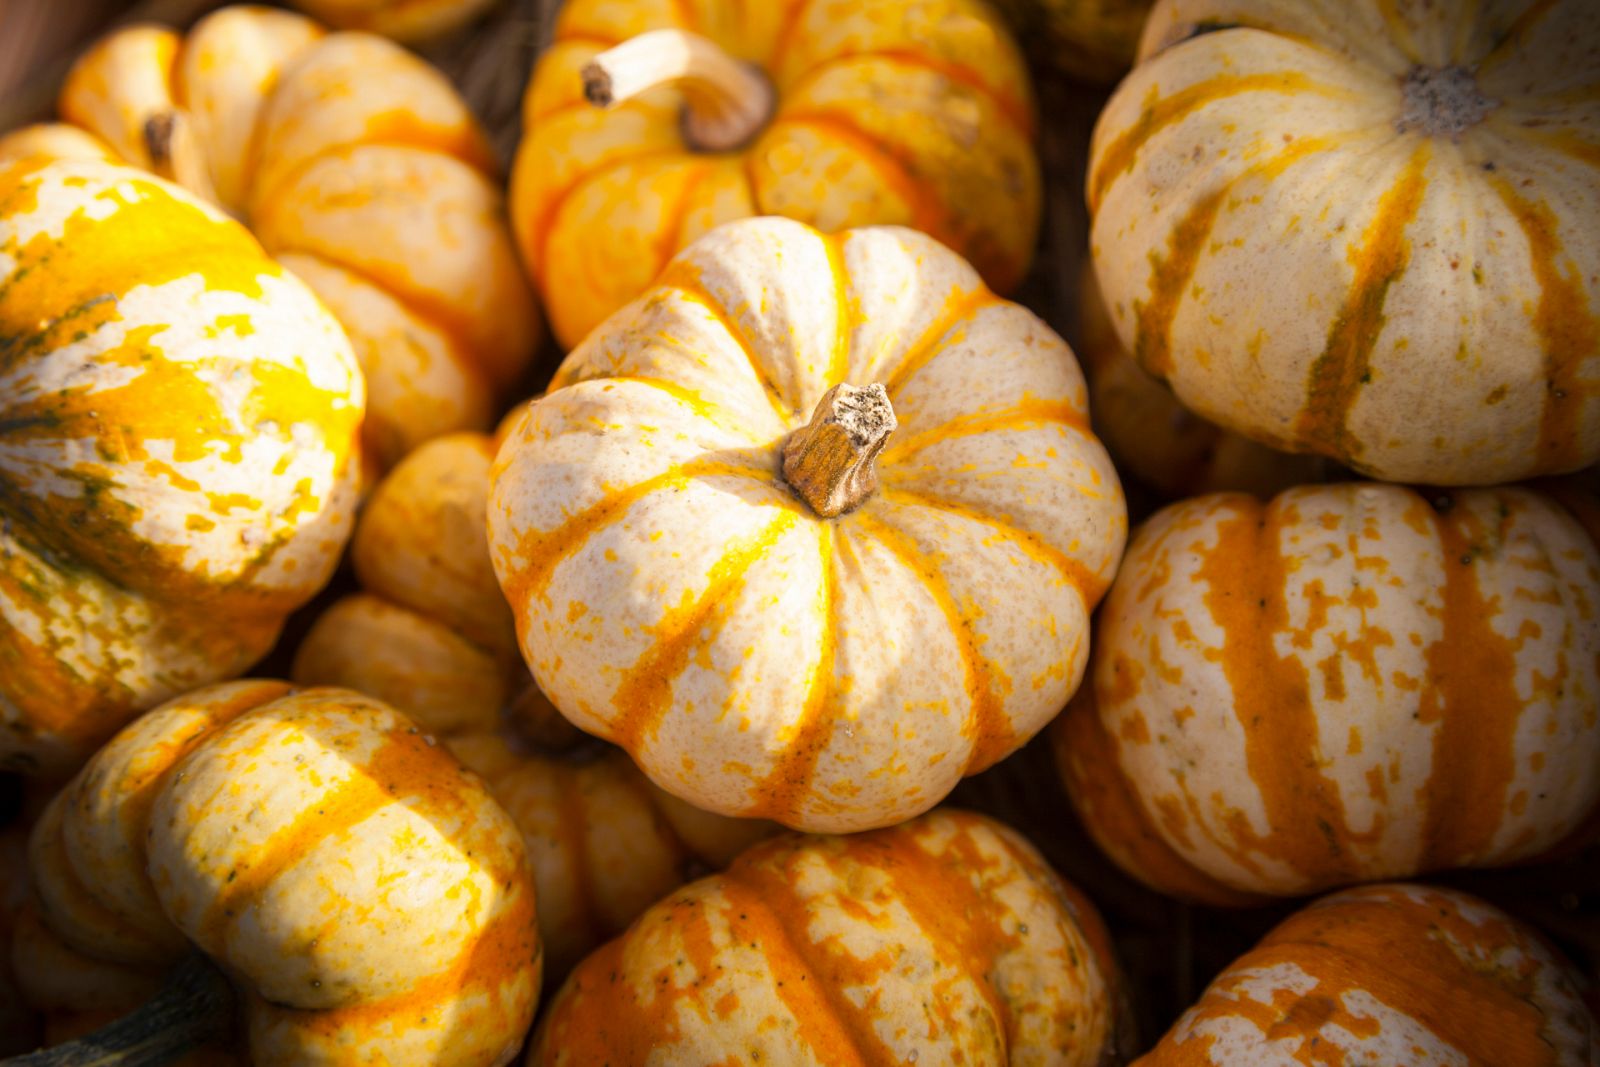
[[831, 461]]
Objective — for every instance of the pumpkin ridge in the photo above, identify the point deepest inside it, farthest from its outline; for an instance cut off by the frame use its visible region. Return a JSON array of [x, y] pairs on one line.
[[1014, 113], [1028, 413], [844, 312], [688, 285], [709, 410], [919, 352], [986, 725], [784, 38], [1514, 33], [1563, 142]]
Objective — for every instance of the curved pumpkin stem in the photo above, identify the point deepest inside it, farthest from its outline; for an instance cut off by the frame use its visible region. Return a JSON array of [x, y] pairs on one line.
[[830, 461], [193, 1008], [175, 154], [728, 102]]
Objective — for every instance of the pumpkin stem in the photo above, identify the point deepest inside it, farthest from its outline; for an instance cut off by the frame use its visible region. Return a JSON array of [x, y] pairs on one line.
[[175, 154], [829, 461], [726, 102], [193, 1008]]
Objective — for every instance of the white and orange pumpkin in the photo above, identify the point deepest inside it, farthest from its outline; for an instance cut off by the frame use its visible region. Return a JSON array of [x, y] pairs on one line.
[[1348, 683], [839, 113], [1364, 229], [178, 462], [943, 940], [357, 166], [825, 623]]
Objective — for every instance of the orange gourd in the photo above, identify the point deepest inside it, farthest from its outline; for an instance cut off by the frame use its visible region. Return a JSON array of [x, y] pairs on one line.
[[812, 529], [1399, 975], [1363, 229], [943, 940], [1347, 683], [178, 463], [358, 167], [364, 893], [839, 113]]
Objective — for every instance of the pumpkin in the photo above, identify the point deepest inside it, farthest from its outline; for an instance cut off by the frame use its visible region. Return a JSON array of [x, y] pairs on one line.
[[1155, 438], [367, 896], [178, 423], [358, 167], [432, 636], [809, 621], [1087, 40], [839, 113], [1364, 230], [1347, 683], [943, 940], [1402, 975], [411, 21]]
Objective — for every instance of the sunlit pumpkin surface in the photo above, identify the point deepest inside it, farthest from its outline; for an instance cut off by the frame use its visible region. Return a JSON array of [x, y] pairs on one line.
[[357, 165], [368, 898], [1397, 975], [674, 596], [1364, 229], [914, 113], [177, 451], [1348, 683], [944, 940]]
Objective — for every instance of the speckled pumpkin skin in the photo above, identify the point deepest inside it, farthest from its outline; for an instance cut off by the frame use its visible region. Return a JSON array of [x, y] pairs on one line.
[[1398, 975], [673, 596], [1308, 262], [361, 169], [411, 21], [1087, 40], [1349, 683], [943, 940], [913, 113], [178, 424], [367, 895], [1152, 436]]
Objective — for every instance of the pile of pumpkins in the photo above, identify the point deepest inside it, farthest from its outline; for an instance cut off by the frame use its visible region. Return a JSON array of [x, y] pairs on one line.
[[646, 698]]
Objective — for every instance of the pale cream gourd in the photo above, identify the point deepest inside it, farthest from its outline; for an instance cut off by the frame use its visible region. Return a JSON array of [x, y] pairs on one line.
[[1363, 229], [676, 594]]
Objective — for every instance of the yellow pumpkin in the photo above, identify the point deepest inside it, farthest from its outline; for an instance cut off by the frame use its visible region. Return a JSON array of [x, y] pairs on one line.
[[1087, 40], [178, 422], [813, 622], [1364, 230], [943, 940], [366, 895], [1399, 975], [358, 166], [1349, 683], [1159, 441], [839, 113], [411, 21]]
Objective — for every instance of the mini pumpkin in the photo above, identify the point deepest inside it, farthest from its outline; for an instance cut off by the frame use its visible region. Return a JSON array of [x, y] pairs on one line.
[[946, 939], [1348, 683], [367, 896], [178, 423], [720, 559], [1402, 975], [839, 113], [1364, 230], [358, 166]]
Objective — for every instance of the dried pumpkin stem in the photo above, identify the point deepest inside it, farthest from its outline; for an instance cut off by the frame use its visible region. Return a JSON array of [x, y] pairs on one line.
[[830, 461], [175, 154], [194, 1007], [726, 102]]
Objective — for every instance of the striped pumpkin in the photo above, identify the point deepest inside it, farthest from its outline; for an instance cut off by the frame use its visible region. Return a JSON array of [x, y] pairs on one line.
[[1398, 975], [940, 941], [358, 167], [839, 113], [369, 899], [1365, 230], [1349, 683], [1155, 438], [178, 422], [800, 620]]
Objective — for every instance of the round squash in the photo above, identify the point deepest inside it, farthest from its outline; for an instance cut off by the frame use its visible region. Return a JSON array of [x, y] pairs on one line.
[[359, 167], [1155, 438], [410, 21], [838, 113], [365, 893], [178, 431], [1399, 975], [943, 940], [1349, 683], [1088, 40], [1365, 230], [826, 622]]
